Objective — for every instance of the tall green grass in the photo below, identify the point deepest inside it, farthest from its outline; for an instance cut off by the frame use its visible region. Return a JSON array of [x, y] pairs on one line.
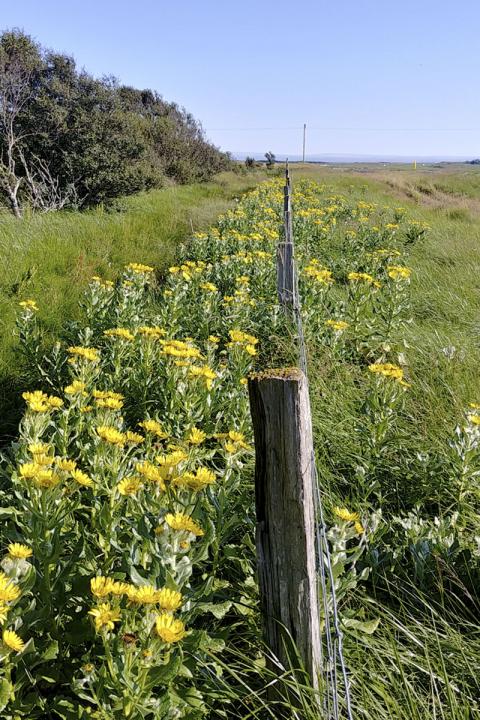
[[51, 258]]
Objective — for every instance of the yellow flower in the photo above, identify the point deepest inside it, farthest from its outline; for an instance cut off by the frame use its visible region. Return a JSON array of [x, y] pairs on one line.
[[182, 522], [196, 436], [3, 613], [82, 478], [139, 268], [169, 600], [365, 277], [105, 617], [337, 325], [213, 339], [12, 640], [121, 333], [398, 272], [39, 448], [388, 370], [40, 402], [197, 481], [111, 435], [250, 349], [111, 403], [172, 459], [345, 514], [76, 388], [169, 629], [101, 586], [65, 464], [154, 427], [8, 590], [129, 486], [151, 473], [359, 527], [29, 470], [474, 419], [86, 353], [19, 551], [144, 595], [46, 479], [29, 305], [134, 438]]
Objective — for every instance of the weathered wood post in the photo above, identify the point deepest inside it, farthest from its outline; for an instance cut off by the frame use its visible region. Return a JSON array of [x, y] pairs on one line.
[[280, 409]]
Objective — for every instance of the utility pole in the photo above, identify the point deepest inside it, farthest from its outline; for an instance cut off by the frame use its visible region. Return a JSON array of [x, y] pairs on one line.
[[304, 136]]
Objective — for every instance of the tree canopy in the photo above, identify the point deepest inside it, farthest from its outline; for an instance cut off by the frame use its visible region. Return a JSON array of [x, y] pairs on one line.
[[69, 139]]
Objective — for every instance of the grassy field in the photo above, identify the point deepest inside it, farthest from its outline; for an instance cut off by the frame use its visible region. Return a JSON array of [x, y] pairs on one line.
[[422, 659], [52, 257]]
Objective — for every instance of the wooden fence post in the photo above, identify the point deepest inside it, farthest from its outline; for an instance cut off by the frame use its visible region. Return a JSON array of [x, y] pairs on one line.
[[280, 409]]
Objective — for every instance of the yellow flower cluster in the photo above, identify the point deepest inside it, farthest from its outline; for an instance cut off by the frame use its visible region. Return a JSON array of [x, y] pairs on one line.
[[29, 305], [40, 402], [180, 349], [121, 333], [84, 353], [349, 517], [183, 523], [244, 340], [398, 272], [188, 269], [363, 277], [337, 325], [389, 370], [139, 268], [153, 427], [111, 435], [205, 372], [155, 332]]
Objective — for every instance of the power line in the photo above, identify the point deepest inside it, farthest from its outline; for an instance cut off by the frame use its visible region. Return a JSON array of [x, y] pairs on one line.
[[337, 128]]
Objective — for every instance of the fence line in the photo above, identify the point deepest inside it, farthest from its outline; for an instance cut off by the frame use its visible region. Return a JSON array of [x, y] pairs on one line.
[[271, 478]]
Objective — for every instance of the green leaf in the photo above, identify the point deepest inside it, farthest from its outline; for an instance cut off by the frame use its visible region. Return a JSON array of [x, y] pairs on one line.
[[6, 693], [365, 626], [218, 610]]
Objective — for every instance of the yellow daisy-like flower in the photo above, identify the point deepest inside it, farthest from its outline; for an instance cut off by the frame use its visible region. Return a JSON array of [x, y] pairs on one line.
[[105, 617], [337, 325], [169, 629], [12, 641], [8, 590], [153, 427], [65, 464], [398, 272], [359, 527], [144, 595], [82, 478], [169, 600], [111, 403], [19, 551], [75, 388], [134, 438], [85, 353], [182, 522], [363, 277], [29, 470], [111, 435], [151, 473], [139, 268], [197, 481], [39, 449], [345, 514], [3, 613], [388, 370], [129, 486], [196, 436], [46, 479], [29, 305], [121, 333], [213, 339], [474, 419], [101, 586]]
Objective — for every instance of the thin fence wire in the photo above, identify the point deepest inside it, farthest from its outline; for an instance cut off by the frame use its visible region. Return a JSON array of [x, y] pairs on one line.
[[334, 657]]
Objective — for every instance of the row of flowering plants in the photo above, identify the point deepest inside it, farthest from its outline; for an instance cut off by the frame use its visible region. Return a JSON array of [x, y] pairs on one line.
[[127, 499]]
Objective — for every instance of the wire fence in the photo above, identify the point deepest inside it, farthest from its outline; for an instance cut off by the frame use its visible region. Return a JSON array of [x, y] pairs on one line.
[[336, 700]]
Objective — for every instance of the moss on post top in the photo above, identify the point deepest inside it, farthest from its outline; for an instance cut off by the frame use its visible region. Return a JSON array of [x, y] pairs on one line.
[[287, 373]]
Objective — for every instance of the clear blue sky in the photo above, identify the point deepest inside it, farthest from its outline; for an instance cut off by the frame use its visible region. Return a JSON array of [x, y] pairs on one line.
[[367, 76]]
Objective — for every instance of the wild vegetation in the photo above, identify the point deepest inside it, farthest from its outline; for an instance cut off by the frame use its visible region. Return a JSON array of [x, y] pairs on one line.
[[129, 570], [68, 139]]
